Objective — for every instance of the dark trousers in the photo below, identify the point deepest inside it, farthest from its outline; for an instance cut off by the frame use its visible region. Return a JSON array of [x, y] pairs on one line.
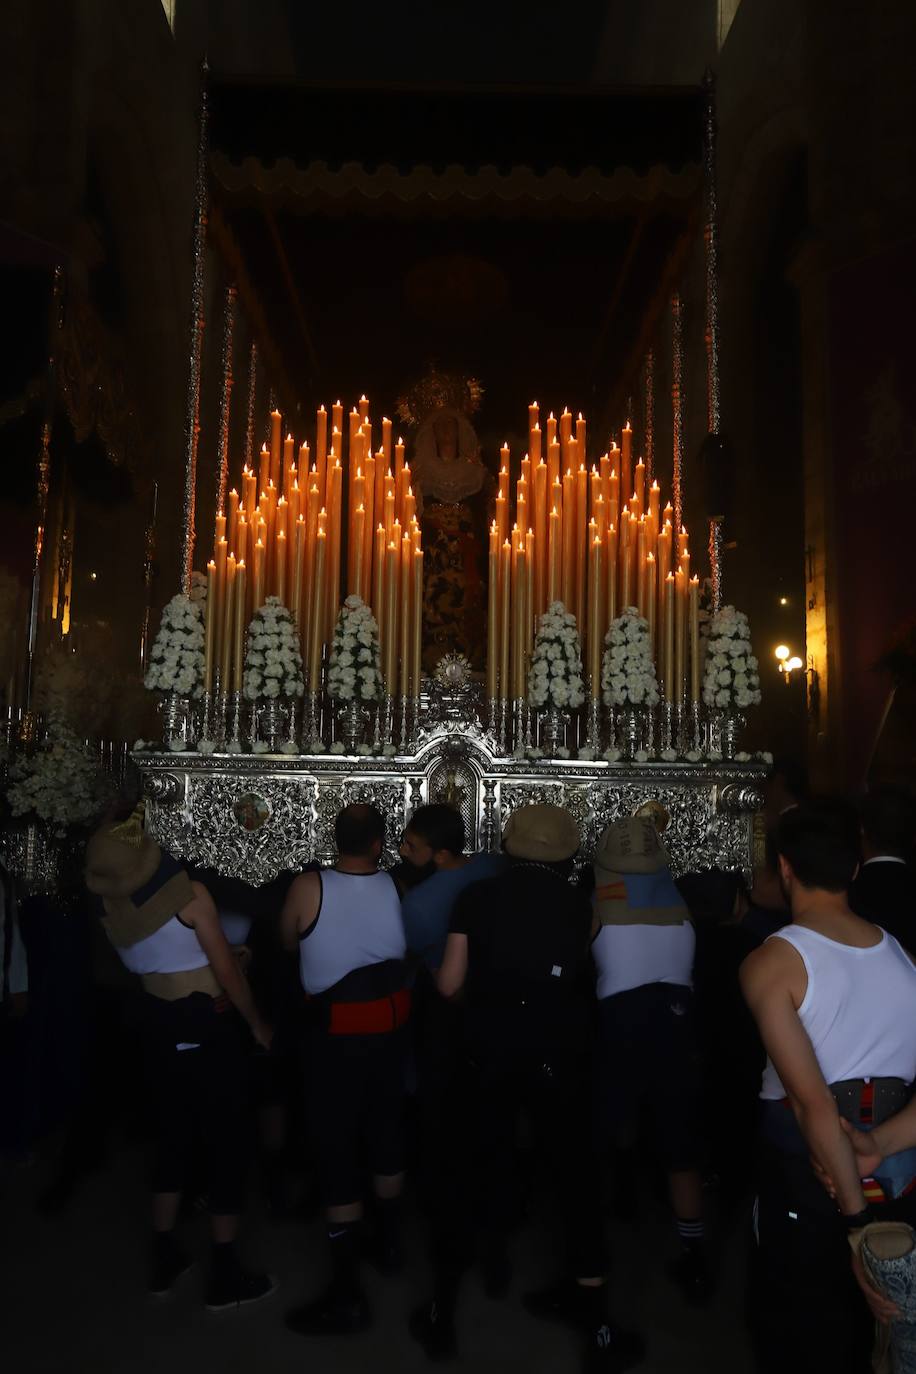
[[554, 1094], [200, 1096], [806, 1309], [354, 1088]]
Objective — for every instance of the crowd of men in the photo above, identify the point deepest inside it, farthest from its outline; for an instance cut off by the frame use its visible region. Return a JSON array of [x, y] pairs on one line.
[[438, 1016]]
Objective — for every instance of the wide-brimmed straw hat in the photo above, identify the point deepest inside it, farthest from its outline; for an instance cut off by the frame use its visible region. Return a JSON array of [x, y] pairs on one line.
[[121, 858], [543, 833]]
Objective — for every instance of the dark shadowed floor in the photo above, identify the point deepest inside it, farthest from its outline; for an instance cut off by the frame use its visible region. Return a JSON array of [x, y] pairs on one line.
[[73, 1295]]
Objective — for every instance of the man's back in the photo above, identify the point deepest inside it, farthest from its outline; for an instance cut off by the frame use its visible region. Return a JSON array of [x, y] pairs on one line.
[[528, 934]]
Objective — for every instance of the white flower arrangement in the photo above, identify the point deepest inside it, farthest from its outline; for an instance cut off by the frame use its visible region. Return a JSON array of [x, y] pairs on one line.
[[354, 668], [273, 659], [555, 677], [627, 669], [60, 783], [177, 657], [730, 678]]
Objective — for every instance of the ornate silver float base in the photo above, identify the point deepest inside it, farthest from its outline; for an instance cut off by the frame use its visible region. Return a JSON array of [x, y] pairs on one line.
[[354, 719], [553, 731], [252, 817]]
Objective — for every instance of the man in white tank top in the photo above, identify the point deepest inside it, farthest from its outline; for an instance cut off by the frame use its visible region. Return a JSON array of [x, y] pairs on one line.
[[833, 997], [345, 925]]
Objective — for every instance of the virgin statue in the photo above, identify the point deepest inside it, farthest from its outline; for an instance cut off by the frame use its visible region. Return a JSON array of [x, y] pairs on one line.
[[454, 493]]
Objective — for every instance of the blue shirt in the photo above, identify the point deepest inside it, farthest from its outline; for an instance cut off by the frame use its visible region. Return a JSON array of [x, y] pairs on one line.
[[427, 908]]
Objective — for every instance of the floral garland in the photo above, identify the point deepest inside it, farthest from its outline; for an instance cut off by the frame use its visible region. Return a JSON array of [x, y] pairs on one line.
[[177, 656], [627, 669], [730, 678], [555, 677], [273, 659], [60, 782], [354, 669]]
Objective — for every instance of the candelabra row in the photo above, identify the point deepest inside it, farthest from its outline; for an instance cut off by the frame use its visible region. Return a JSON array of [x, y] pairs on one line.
[[667, 731]]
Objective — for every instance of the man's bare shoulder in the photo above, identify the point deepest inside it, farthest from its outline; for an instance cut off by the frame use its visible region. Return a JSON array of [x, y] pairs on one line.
[[775, 964]]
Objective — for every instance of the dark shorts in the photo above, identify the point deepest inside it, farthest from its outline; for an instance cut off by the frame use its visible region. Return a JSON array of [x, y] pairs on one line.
[[201, 1096], [354, 1087], [648, 1064]]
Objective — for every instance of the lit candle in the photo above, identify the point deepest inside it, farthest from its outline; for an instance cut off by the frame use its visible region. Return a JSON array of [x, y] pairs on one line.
[[581, 542], [337, 419], [668, 651], [288, 461], [219, 530], [540, 536], [601, 516], [664, 552], [626, 462], [263, 469], [276, 445], [363, 407], [321, 438], [357, 544], [604, 467], [565, 426], [232, 534], [521, 504], [569, 541], [694, 614], [222, 551], [639, 487], [529, 593], [318, 616], [228, 620], [410, 507], [493, 614], [417, 610], [389, 513], [280, 566], [611, 573], [210, 627], [368, 525], [555, 559], [613, 496], [392, 580], [386, 441], [257, 594], [595, 599], [238, 635], [641, 571], [580, 436], [333, 529], [551, 428], [398, 464], [596, 491], [680, 636], [626, 563], [406, 626], [298, 569], [534, 445], [683, 541], [504, 460], [651, 599], [553, 463], [534, 415], [505, 602], [378, 579], [520, 608], [654, 499]]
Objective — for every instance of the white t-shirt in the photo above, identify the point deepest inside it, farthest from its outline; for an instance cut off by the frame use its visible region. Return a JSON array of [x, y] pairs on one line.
[[630, 956]]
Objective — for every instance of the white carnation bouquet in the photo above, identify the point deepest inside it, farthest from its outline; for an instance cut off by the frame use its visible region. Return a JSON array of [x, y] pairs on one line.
[[354, 668], [60, 783], [555, 677], [730, 678], [273, 659], [176, 661], [627, 669]]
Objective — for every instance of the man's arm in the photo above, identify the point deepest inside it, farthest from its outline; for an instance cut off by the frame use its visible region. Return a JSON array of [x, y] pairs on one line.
[[766, 981], [300, 910], [201, 913], [451, 976]]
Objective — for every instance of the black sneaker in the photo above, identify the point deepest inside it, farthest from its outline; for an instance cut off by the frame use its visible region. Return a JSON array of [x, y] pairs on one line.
[[691, 1272], [434, 1332], [333, 1314], [169, 1261], [237, 1288], [609, 1350]]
